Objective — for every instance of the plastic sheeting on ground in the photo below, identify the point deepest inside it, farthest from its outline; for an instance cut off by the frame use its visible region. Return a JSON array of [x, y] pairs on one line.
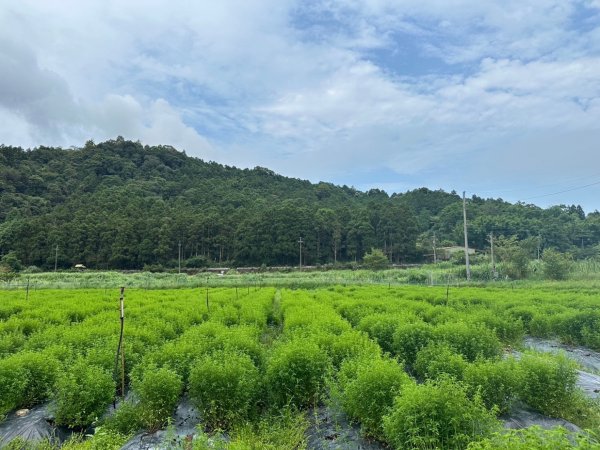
[[184, 423], [34, 426]]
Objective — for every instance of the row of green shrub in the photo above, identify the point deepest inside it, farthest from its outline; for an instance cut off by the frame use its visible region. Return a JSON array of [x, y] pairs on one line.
[[245, 355], [70, 356], [570, 315]]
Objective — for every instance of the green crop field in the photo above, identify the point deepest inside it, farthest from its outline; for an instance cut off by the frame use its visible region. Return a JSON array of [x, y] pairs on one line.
[[413, 366]]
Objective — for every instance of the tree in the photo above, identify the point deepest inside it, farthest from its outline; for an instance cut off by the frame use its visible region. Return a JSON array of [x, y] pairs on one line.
[[556, 265], [515, 257], [11, 262], [375, 259]]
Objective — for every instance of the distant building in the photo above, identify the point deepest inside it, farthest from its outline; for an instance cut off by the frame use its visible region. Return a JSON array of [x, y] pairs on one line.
[[80, 267]]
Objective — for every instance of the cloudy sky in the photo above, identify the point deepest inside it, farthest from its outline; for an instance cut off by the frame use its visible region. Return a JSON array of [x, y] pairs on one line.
[[498, 98]]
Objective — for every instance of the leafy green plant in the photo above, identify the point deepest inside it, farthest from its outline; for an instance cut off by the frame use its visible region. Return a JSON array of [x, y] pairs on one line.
[[225, 386], [13, 383], [296, 372], [368, 396], [439, 359], [375, 259], [409, 338], [126, 420], [158, 390], [497, 382], [579, 327], [349, 344], [40, 374], [285, 429], [470, 341], [536, 438], [437, 415], [548, 382], [82, 394], [557, 266], [382, 327]]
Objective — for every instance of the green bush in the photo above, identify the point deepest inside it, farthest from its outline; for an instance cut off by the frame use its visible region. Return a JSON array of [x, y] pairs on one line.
[[284, 430], [437, 359], [158, 391], [536, 438], [368, 397], [11, 261], [548, 382], [507, 329], [296, 372], [497, 382], [40, 373], [126, 420], [224, 386], [381, 327], [409, 338], [102, 440], [580, 328], [242, 339], [557, 266], [13, 382], [471, 341], [349, 344], [437, 415], [196, 262], [375, 260], [82, 394]]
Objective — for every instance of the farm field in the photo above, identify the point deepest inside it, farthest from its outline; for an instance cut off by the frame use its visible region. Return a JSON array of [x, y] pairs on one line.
[[339, 366]]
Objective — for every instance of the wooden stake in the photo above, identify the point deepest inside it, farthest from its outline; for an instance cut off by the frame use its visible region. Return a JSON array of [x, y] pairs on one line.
[[120, 351], [207, 306]]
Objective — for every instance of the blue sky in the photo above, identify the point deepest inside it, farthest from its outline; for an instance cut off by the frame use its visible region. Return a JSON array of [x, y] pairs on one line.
[[501, 99]]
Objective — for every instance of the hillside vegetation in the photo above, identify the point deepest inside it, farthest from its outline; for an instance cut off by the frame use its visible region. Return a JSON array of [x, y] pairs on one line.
[[122, 205]]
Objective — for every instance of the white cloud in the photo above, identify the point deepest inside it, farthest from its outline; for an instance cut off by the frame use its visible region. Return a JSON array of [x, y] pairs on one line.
[[299, 86]]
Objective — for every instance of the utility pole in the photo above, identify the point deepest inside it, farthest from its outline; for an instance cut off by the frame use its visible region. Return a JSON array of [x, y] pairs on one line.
[[538, 246], [300, 244], [56, 258], [434, 250], [492, 250], [179, 256], [466, 238]]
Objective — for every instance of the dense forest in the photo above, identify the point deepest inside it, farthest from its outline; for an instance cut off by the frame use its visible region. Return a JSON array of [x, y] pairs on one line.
[[122, 205]]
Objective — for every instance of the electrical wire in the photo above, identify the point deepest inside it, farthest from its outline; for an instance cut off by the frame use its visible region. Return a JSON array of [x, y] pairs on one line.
[[565, 190]]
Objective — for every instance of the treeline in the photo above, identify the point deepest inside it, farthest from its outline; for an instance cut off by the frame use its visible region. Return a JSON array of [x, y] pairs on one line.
[[122, 205]]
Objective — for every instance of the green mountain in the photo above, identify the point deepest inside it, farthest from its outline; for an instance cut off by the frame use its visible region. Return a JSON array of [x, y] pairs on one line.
[[119, 204]]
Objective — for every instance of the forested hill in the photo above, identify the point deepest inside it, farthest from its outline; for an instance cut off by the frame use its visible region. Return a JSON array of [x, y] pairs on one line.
[[119, 204]]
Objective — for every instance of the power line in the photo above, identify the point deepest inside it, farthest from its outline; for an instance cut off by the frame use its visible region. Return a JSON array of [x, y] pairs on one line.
[[539, 186], [563, 191]]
